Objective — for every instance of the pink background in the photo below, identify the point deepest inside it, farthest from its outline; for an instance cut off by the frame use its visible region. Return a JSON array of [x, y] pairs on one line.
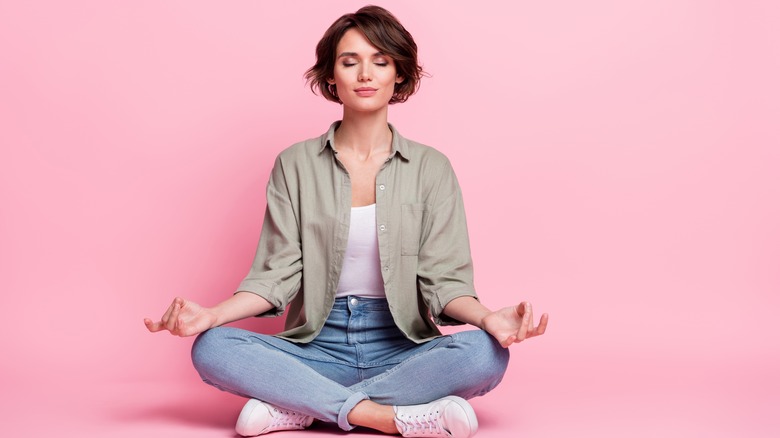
[[620, 162]]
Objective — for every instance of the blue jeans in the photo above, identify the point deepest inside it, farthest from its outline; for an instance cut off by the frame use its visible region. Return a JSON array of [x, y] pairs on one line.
[[359, 354]]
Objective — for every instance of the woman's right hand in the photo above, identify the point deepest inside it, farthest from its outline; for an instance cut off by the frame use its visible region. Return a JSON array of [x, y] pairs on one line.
[[183, 318]]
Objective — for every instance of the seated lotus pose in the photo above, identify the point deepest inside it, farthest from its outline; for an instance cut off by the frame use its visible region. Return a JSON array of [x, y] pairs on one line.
[[364, 243]]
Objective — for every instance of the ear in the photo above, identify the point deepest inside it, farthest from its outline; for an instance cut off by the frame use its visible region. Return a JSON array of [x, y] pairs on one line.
[[331, 81], [399, 79]]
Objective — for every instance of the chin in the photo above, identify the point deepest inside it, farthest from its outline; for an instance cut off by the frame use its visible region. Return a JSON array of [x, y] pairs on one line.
[[366, 108]]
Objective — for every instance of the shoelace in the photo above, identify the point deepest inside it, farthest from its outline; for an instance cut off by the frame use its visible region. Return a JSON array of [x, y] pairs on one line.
[[427, 424], [284, 420]]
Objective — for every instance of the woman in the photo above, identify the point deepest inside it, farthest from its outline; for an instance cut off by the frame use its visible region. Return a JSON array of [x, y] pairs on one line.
[[365, 238]]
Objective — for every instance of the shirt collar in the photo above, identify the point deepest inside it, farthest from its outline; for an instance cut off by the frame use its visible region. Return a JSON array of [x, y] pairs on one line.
[[399, 143]]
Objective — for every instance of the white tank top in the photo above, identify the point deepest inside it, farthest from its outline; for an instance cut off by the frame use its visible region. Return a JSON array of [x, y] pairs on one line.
[[361, 274]]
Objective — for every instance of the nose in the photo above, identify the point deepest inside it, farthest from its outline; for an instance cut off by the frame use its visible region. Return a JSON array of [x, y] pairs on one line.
[[364, 74]]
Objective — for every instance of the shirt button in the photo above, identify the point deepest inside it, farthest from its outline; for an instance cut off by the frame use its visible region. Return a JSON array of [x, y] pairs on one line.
[[353, 301], [381, 186], [382, 227], [387, 268]]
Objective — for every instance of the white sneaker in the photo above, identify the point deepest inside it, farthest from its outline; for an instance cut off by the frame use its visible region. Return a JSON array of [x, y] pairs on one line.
[[259, 417], [446, 417]]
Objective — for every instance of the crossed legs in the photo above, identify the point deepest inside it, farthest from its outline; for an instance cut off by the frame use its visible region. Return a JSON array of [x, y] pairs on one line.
[[465, 364]]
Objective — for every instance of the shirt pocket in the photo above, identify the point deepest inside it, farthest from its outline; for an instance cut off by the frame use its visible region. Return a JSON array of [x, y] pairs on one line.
[[412, 218]]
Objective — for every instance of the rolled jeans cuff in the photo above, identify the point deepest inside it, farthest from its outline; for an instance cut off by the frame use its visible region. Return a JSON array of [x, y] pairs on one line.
[[347, 407]]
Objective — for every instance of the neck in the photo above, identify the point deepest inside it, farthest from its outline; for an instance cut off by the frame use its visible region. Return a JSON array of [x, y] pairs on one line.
[[364, 133]]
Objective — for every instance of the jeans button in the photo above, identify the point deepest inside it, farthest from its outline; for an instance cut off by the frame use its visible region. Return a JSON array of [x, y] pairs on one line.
[[353, 301]]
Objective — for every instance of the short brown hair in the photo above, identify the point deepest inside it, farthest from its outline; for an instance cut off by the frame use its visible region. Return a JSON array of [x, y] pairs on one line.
[[382, 30]]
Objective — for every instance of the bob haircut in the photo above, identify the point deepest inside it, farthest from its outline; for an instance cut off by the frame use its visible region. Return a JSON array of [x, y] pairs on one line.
[[382, 30]]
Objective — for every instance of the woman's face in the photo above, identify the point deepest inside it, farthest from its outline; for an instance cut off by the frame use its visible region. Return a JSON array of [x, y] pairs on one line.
[[365, 78]]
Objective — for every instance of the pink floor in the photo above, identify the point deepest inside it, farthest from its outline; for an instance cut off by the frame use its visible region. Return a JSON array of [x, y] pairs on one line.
[[569, 399]]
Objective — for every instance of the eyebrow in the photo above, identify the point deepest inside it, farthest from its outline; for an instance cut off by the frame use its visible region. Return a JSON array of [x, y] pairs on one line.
[[348, 54]]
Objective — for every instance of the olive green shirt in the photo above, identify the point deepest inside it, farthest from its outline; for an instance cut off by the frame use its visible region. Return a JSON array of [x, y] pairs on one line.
[[421, 226]]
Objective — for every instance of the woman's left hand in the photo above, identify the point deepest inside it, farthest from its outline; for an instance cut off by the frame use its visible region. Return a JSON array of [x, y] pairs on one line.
[[514, 324]]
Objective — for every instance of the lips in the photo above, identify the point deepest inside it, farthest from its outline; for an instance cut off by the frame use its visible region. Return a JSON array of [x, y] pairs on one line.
[[365, 91]]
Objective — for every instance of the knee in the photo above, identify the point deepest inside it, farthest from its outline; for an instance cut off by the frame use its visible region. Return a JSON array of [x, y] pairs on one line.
[[486, 356], [209, 347]]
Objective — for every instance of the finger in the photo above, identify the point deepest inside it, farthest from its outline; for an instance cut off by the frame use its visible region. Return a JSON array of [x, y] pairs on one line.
[[509, 341], [171, 323], [184, 331], [153, 326], [542, 324], [178, 322], [524, 323], [520, 309], [530, 311], [167, 315], [179, 328]]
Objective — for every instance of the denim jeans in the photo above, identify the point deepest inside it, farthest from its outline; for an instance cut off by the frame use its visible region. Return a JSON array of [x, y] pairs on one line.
[[359, 354]]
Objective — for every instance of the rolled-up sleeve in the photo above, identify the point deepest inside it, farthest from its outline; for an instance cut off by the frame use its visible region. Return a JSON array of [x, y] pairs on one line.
[[277, 267], [445, 269]]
